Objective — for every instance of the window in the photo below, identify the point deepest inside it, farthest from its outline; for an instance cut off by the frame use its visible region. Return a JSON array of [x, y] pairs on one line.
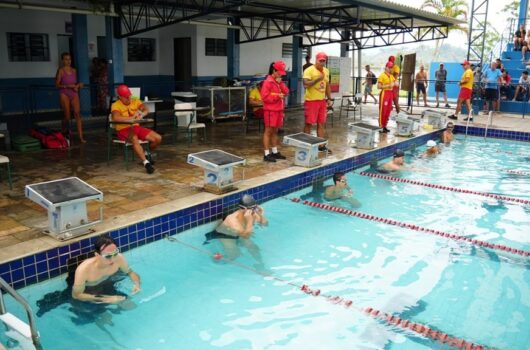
[[23, 47], [215, 47], [287, 50], [141, 49]]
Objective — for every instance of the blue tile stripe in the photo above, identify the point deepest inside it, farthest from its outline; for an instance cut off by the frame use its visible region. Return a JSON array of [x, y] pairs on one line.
[[495, 133], [51, 263]]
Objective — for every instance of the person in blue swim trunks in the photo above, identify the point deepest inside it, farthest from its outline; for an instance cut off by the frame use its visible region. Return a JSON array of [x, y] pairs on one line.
[[237, 228]]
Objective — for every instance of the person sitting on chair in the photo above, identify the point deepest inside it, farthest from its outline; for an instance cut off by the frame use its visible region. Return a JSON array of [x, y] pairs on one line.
[[127, 109], [524, 83], [255, 101]]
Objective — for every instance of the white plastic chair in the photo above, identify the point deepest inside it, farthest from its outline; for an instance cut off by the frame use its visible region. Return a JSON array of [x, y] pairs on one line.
[[5, 161], [186, 120], [113, 139], [135, 91]]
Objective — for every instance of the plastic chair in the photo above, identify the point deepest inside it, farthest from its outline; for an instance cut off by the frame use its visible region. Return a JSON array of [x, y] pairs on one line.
[[254, 115], [186, 120], [350, 103], [112, 138], [5, 161]]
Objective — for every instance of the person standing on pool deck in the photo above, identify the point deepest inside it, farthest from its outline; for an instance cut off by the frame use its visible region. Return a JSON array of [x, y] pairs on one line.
[[466, 91], [385, 83], [395, 73], [93, 271], [273, 94], [317, 90], [238, 227], [66, 82]]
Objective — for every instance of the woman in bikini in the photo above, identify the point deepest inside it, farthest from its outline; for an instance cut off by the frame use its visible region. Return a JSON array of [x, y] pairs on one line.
[[66, 82]]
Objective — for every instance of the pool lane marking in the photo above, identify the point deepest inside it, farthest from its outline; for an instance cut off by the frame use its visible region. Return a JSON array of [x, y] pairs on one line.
[[447, 235], [518, 172], [391, 320], [447, 188]]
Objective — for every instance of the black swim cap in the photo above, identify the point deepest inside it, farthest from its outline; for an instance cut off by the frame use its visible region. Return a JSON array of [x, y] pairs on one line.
[[399, 153], [247, 202]]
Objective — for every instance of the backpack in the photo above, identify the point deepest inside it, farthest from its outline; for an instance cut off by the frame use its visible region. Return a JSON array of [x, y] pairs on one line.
[[49, 138], [374, 79]]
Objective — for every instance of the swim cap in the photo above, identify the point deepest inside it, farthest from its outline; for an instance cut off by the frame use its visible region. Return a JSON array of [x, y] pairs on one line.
[[431, 143], [399, 153], [247, 202]]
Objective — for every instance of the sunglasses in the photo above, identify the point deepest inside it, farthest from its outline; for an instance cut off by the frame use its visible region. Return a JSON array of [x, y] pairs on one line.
[[321, 60], [111, 255]]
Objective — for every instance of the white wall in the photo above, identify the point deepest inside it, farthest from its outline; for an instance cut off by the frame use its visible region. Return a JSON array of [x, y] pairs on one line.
[[256, 57], [209, 65], [23, 21], [166, 36]]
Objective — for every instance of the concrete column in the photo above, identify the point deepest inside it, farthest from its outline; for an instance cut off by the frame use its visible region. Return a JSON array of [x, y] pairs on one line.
[[114, 51], [344, 46], [232, 50], [82, 65], [295, 93], [523, 10]]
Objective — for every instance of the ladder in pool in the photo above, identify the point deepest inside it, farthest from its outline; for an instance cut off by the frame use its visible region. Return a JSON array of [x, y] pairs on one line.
[[26, 336], [488, 123]]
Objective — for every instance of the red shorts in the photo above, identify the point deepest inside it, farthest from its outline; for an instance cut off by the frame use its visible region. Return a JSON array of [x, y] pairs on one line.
[[315, 112], [465, 94], [273, 119], [140, 132]]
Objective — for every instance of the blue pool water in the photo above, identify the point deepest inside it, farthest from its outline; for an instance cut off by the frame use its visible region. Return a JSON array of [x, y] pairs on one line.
[[190, 301]]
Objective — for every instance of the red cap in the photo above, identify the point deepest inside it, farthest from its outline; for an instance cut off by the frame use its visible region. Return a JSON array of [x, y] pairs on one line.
[[392, 59], [322, 56], [279, 66], [466, 63], [389, 64], [123, 91]]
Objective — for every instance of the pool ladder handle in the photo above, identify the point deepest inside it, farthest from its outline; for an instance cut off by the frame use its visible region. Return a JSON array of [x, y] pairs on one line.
[[468, 120], [14, 322], [488, 124]]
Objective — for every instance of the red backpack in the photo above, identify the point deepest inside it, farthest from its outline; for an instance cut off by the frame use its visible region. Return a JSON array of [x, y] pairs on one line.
[[49, 138]]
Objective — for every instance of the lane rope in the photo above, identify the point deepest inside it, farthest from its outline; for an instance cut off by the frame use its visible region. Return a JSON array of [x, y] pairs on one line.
[[447, 188], [426, 230], [391, 320]]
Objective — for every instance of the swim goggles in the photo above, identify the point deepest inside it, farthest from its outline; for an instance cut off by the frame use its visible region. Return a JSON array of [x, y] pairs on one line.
[[111, 255]]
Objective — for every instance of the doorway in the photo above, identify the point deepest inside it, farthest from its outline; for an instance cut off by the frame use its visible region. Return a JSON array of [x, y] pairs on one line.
[[64, 44], [182, 63]]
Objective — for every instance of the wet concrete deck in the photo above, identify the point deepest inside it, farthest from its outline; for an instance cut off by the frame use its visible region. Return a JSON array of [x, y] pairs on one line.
[[133, 195]]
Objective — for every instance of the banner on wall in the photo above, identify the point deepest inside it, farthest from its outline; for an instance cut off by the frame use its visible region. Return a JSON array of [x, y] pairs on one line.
[[334, 73]]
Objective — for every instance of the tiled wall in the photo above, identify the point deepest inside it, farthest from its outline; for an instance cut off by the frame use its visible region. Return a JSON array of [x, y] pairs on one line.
[[496, 133], [53, 262]]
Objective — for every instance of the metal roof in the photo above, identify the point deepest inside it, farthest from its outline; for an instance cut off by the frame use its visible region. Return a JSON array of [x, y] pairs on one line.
[[318, 21]]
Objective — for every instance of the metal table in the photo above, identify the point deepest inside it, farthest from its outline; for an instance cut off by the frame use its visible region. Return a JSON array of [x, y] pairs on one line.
[[65, 200], [218, 169], [306, 145], [365, 135]]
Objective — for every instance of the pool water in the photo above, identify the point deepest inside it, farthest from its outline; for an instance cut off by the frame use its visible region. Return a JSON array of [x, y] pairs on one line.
[[191, 301]]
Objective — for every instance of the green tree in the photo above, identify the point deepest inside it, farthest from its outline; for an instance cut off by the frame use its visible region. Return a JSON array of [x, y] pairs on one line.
[[511, 9], [457, 9]]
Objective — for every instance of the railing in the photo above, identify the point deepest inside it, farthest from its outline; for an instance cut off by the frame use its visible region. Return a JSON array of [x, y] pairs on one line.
[[32, 325]]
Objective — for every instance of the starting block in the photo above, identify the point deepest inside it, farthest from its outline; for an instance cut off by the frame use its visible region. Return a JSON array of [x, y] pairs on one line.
[[435, 118], [65, 200], [218, 169], [365, 135], [406, 124], [306, 145]]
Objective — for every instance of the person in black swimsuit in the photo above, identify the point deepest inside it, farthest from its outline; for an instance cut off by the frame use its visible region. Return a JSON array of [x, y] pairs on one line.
[[237, 228]]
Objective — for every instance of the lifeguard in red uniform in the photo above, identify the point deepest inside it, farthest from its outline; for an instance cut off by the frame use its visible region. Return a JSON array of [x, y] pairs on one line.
[[386, 83]]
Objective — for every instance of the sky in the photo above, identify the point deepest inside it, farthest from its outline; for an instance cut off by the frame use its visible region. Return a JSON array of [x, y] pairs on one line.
[[499, 23]]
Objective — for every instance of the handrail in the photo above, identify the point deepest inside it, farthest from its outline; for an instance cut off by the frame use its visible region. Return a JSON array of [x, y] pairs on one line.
[[469, 117], [488, 124], [32, 325]]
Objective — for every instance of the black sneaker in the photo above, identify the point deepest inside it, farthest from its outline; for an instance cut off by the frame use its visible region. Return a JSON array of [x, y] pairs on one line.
[[447, 105], [269, 158], [437, 105], [466, 119], [149, 168], [324, 149], [454, 117], [149, 157], [384, 130], [278, 156]]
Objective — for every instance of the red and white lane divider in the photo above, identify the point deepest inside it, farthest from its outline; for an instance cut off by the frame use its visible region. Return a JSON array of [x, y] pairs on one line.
[[395, 321], [447, 188], [518, 172], [447, 235]]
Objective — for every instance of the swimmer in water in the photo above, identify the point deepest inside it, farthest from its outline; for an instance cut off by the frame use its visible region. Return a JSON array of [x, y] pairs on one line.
[[340, 190], [447, 135], [93, 271], [432, 149], [396, 164]]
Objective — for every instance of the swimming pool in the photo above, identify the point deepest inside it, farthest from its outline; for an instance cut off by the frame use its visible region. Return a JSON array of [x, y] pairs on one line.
[[189, 301]]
